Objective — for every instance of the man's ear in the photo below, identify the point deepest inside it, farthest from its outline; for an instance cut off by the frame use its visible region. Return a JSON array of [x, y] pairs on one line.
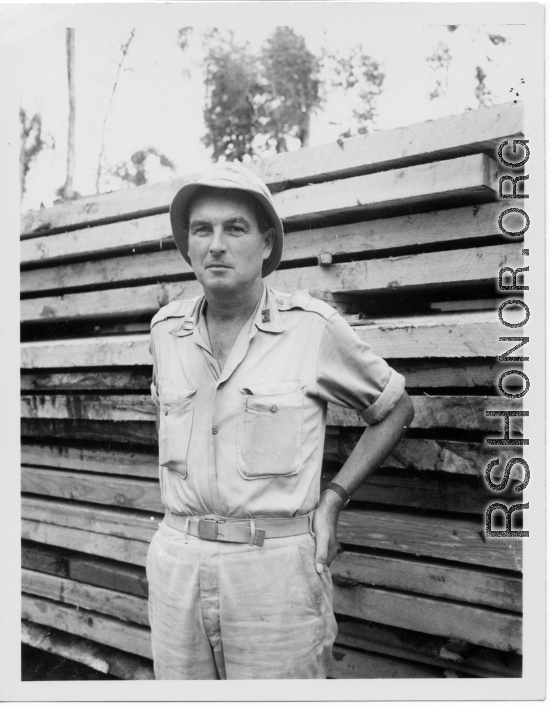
[[269, 240]]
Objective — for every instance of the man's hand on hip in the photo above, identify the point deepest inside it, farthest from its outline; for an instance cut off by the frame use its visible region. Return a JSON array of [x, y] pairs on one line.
[[324, 526]]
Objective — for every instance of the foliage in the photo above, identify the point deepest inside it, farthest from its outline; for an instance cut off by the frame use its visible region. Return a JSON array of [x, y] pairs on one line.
[[482, 93], [439, 63], [483, 54], [32, 143], [135, 171], [290, 86], [260, 104], [232, 93], [354, 77]]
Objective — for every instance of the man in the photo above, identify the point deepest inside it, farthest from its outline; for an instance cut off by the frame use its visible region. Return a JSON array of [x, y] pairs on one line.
[[239, 586]]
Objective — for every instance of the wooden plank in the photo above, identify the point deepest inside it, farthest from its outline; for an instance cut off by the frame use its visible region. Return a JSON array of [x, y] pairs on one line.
[[473, 179], [88, 624], [459, 336], [423, 577], [454, 539], [448, 456], [86, 431], [106, 240], [85, 596], [349, 664], [469, 305], [84, 568], [424, 142], [428, 491], [445, 456], [420, 647], [450, 374], [472, 266], [442, 412], [124, 301], [466, 224], [456, 336], [467, 133], [88, 380], [117, 523], [458, 495], [131, 350], [99, 461], [115, 548], [107, 490], [439, 411], [130, 270], [480, 626], [105, 660]]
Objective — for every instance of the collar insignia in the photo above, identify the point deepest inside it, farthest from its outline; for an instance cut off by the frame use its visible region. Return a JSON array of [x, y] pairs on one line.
[[266, 316]]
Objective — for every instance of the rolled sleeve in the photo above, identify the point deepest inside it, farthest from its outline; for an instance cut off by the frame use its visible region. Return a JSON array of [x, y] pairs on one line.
[[349, 374]]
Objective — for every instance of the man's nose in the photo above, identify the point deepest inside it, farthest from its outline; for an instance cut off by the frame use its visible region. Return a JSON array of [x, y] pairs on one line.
[[218, 244]]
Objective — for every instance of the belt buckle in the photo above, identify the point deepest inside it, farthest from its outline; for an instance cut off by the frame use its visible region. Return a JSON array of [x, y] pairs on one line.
[[208, 529]]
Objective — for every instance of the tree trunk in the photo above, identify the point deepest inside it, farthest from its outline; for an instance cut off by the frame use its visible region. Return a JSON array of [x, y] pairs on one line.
[[68, 191], [304, 130]]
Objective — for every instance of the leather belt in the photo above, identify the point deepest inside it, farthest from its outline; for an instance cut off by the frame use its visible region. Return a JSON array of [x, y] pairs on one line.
[[239, 530]]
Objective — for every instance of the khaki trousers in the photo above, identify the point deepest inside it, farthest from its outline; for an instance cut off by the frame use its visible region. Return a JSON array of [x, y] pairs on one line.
[[232, 611]]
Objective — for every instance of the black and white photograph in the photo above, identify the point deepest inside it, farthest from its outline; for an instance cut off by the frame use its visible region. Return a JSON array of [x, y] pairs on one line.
[[275, 286]]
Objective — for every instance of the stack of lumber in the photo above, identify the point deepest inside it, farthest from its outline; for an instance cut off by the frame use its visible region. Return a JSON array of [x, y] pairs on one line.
[[397, 230]]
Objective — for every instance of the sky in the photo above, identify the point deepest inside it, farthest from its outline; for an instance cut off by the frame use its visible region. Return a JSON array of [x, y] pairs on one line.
[[159, 99]]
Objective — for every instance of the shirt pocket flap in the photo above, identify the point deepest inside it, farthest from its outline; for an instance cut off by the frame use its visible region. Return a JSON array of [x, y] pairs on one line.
[[172, 396], [273, 388]]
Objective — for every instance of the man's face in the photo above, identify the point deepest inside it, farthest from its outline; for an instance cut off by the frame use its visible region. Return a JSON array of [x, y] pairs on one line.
[[226, 247]]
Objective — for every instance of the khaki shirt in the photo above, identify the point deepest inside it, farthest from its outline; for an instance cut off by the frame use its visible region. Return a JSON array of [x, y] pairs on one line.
[[248, 441]]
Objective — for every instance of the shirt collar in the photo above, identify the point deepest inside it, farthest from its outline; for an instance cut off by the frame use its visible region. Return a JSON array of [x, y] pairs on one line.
[[267, 316], [189, 323]]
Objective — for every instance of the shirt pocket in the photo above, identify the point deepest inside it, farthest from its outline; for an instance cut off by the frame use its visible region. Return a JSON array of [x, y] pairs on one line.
[[176, 422], [270, 429]]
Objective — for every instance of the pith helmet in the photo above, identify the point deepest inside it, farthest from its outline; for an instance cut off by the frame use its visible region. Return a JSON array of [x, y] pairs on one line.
[[228, 175]]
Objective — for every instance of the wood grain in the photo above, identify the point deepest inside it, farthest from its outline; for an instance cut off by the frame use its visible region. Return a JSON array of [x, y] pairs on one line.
[[349, 664], [423, 142], [85, 568], [419, 374], [85, 596], [480, 626], [410, 645], [107, 490], [458, 336], [103, 545], [455, 539], [439, 411], [99, 461], [428, 578], [88, 624], [466, 225], [471, 266], [444, 456], [105, 660]]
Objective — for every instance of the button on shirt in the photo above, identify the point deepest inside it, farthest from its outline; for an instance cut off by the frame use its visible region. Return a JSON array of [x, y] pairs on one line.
[[248, 441]]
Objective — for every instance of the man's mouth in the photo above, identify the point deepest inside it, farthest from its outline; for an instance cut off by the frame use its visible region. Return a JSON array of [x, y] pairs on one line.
[[217, 265]]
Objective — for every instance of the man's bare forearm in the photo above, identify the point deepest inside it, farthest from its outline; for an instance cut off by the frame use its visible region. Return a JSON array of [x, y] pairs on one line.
[[375, 444]]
